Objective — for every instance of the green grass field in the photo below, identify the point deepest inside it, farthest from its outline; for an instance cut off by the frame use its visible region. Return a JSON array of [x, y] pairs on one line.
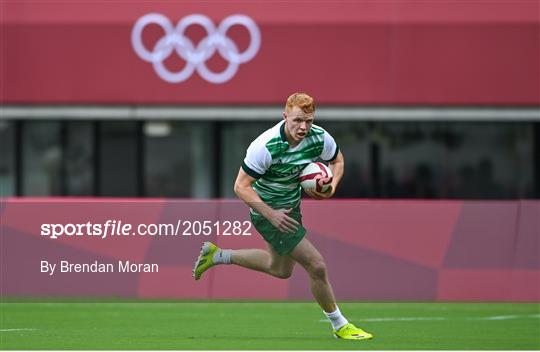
[[275, 326]]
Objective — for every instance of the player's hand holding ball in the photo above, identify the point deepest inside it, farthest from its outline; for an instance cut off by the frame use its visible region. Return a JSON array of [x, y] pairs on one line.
[[316, 180]]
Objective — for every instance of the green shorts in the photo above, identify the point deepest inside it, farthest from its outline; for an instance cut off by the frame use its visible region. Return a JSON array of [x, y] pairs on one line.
[[283, 243]]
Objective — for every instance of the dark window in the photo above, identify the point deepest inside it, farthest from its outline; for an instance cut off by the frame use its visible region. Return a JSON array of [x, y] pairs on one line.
[[79, 158], [119, 159], [178, 159], [7, 158], [456, 160], [41, 158]]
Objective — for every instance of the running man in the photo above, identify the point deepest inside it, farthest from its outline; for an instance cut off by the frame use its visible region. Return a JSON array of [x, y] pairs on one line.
[[268, 182]]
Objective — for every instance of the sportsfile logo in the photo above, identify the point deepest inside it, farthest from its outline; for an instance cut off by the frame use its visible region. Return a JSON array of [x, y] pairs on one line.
[[195, 56]]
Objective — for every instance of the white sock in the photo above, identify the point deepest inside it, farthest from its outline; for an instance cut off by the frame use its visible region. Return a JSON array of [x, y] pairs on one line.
[[337, 319], [222, 256]]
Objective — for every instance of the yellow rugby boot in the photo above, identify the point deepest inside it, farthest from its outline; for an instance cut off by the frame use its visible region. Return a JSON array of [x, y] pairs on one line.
[[205, 260], [351, 332]]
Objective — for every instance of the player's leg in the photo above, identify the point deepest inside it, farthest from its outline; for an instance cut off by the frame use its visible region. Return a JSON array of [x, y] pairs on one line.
[[267, 261], [312, 261], [273, 261]]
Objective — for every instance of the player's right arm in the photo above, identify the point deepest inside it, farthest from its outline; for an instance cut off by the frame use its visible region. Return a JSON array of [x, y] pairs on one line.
[[278, 217]]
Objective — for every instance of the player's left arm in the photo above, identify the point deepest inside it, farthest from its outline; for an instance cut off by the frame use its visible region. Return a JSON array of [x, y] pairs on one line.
[[337, 166]]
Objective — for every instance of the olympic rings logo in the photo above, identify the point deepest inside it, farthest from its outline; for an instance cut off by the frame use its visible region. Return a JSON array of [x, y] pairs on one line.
[[195, 56]]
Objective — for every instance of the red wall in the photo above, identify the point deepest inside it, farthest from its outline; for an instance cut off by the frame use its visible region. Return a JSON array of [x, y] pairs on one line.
[[365, 52], [375, 250]]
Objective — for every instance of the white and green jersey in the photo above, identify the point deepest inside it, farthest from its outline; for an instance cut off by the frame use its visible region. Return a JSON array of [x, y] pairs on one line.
[[277, 167]]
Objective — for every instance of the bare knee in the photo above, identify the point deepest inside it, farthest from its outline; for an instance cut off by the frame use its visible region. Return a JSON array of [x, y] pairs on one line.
[[317, 269], [281, 273]]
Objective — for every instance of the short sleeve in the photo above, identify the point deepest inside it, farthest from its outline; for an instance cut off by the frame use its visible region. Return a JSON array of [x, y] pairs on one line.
[[257, 160], [330, 149]]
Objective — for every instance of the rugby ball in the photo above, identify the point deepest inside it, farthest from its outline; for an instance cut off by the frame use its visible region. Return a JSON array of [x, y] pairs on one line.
[[312, 173]]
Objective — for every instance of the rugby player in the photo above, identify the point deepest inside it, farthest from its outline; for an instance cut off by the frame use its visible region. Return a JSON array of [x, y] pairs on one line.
[[268, 182]]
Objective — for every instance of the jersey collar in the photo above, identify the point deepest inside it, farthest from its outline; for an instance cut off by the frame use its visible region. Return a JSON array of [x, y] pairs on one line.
[[282, 132]]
